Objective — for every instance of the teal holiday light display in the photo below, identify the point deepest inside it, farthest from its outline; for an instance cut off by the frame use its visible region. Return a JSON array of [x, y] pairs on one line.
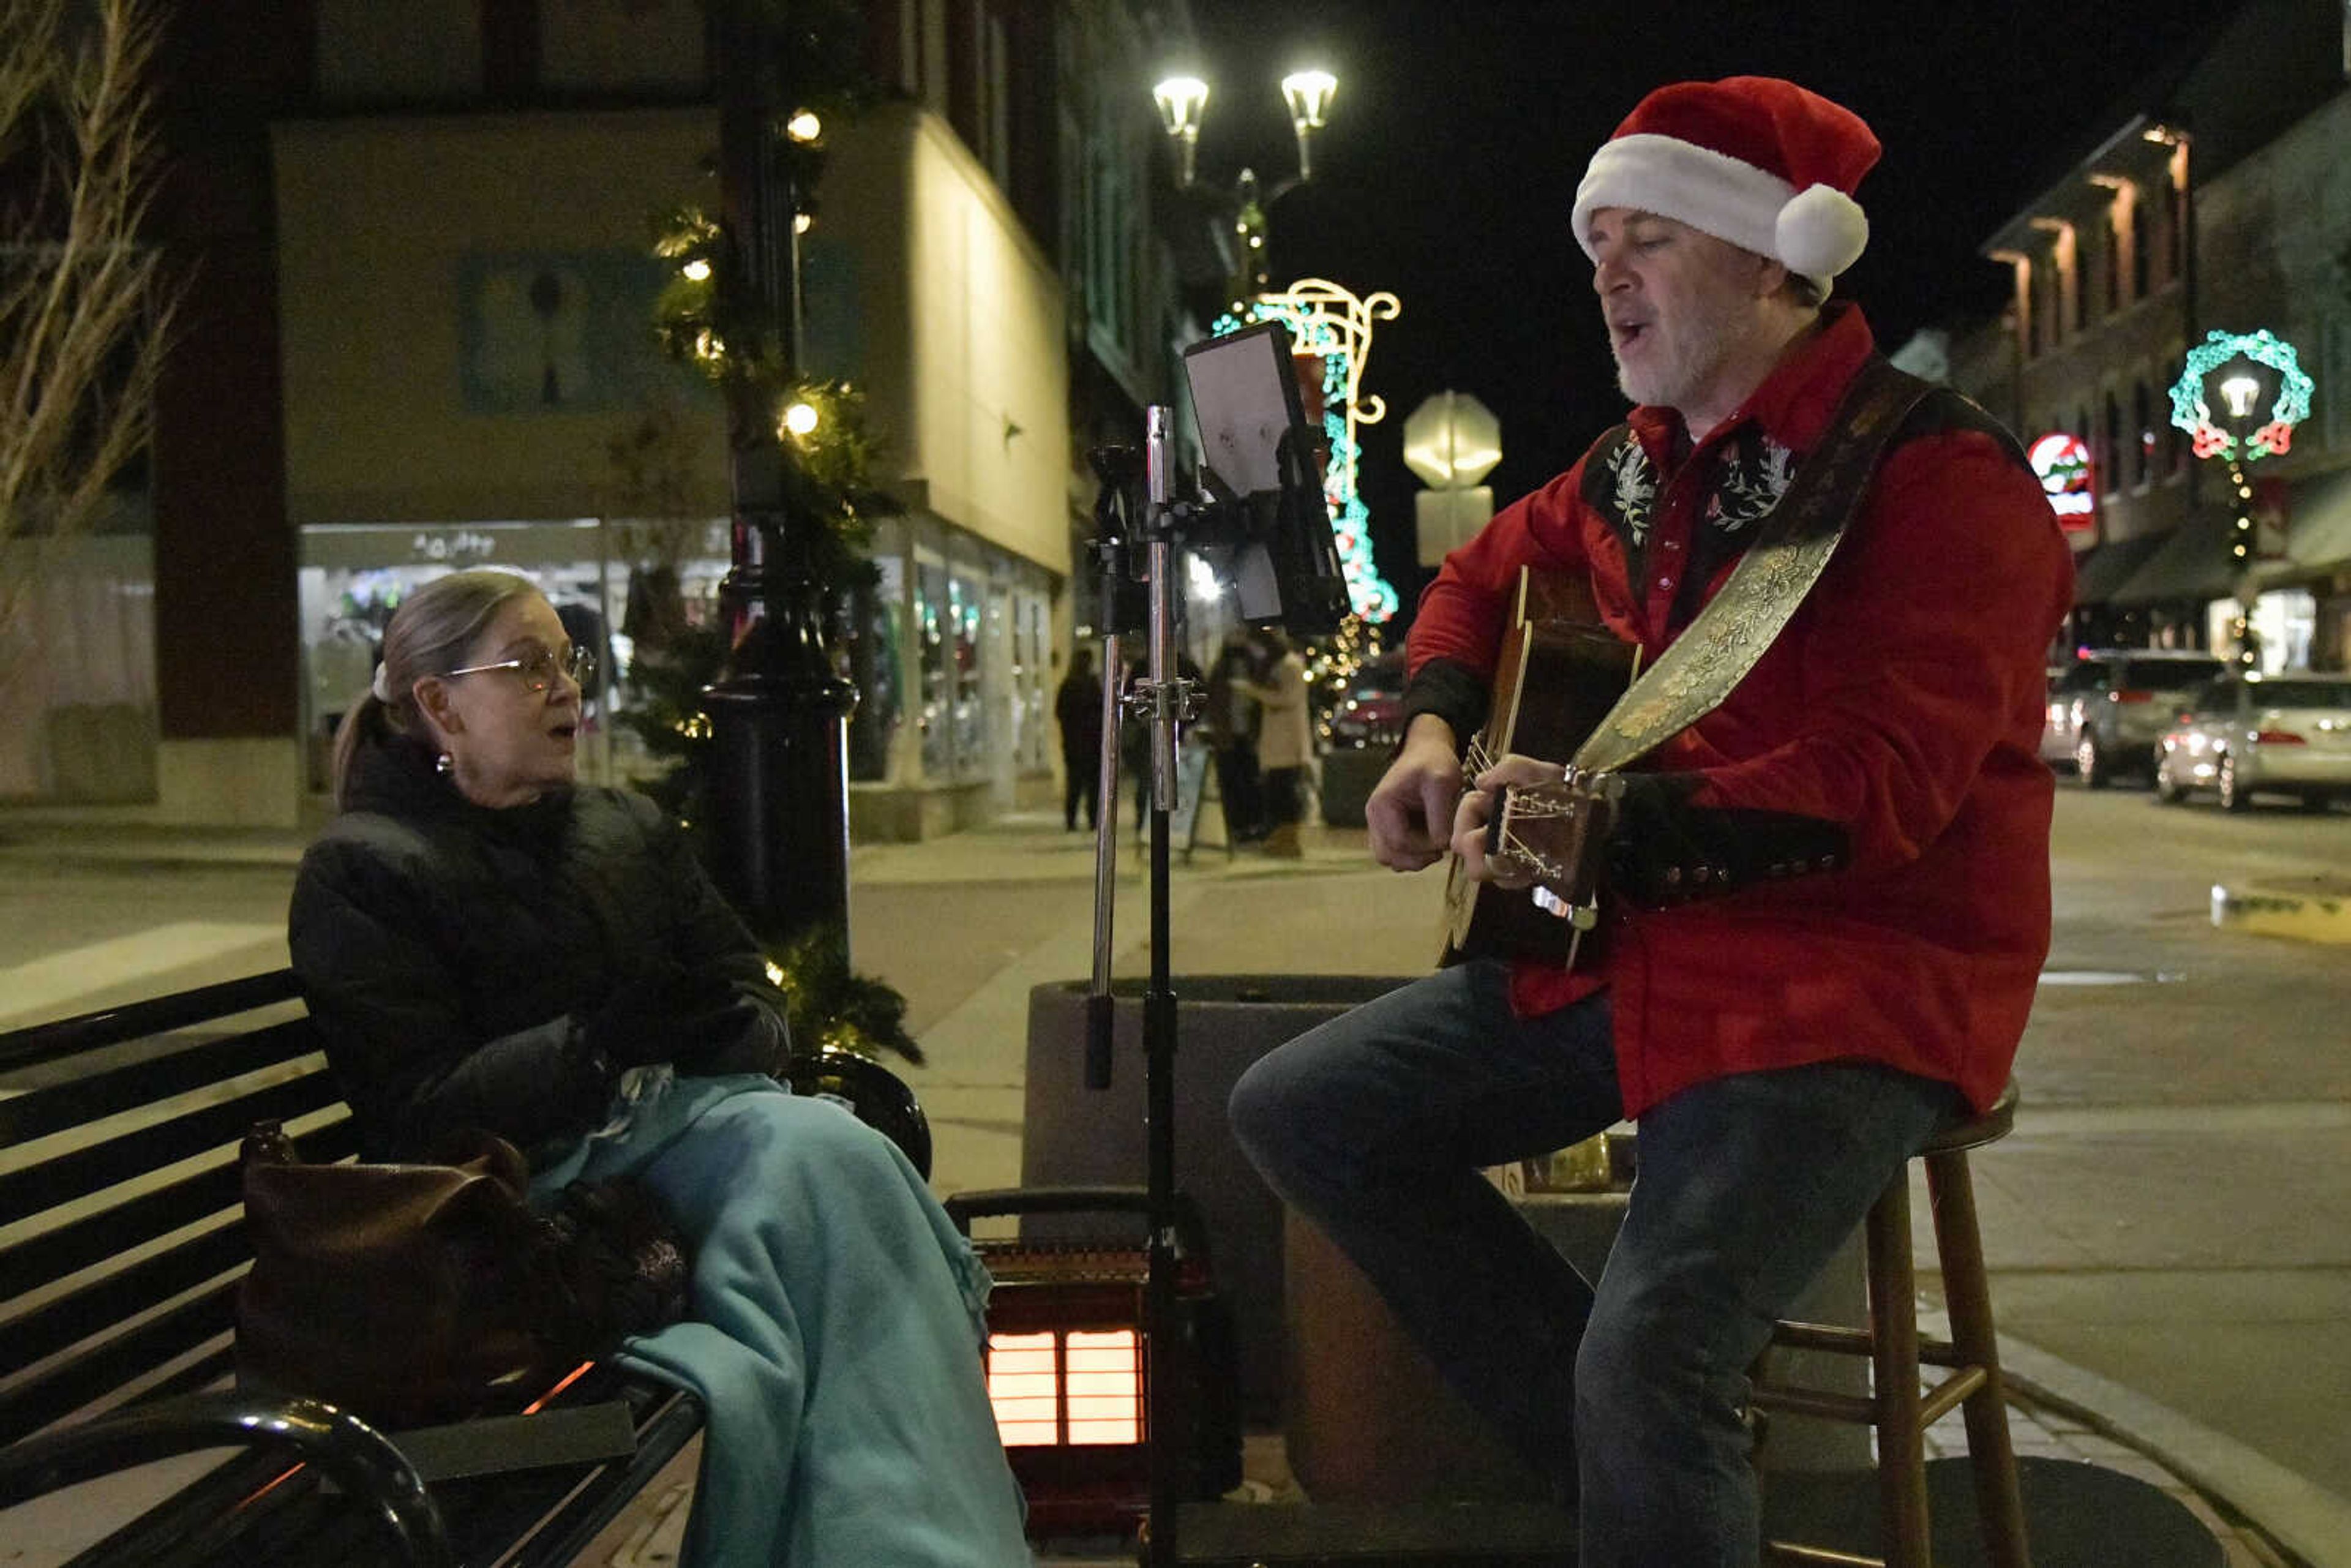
[[1336, 327]]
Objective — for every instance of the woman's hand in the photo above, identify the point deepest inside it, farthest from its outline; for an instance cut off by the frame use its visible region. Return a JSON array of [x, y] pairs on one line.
[[657, 1014]]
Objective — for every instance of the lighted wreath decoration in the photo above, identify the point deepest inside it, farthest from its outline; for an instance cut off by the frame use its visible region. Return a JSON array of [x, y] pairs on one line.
[[2191, 414]]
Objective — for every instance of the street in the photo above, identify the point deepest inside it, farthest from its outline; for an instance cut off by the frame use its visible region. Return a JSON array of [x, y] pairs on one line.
[[2169, 1227]]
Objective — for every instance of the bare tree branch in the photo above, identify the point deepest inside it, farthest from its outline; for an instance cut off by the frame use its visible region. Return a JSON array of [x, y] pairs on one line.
[[84, 314]]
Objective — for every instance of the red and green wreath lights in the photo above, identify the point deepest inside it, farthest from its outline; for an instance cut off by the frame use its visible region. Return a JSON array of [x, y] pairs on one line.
[[2192, 413]]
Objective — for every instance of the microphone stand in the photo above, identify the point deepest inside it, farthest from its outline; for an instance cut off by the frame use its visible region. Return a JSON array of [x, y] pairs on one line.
[[1166, 699]]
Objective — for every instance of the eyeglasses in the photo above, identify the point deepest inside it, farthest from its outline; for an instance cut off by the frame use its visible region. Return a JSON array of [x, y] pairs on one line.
[[538, 668]]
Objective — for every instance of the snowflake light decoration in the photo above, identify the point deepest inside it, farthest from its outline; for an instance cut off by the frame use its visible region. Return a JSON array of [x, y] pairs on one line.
[[2192, 413]]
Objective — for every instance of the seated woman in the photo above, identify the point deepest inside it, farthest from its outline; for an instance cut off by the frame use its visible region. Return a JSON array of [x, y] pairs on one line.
[[485, 945]]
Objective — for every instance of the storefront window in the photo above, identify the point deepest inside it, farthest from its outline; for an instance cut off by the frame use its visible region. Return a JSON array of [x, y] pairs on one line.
[[965, 598], [2143, 424], [977, 679], [870, 646], [934, 628], [78, 668], [353, 576], [2283, 624]]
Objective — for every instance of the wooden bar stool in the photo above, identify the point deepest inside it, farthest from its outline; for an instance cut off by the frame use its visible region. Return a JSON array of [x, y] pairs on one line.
[[1896, 1408]]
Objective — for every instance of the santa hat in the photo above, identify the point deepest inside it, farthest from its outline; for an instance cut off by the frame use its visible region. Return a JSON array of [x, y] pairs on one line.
[[1755, 161]]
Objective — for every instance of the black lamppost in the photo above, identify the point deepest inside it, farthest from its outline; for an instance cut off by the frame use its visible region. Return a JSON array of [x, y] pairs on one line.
[[779, 798], [2241, 393], [1183, 102]]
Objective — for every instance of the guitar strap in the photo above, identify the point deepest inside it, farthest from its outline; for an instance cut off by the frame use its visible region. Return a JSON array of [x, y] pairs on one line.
[[1713, 655]]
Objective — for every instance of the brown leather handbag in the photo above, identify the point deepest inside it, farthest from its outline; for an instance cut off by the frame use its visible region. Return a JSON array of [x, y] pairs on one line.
[[409, 1293]]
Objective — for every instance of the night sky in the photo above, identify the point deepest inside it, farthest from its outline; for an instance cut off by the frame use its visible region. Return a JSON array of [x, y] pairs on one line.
[[1461, 128]]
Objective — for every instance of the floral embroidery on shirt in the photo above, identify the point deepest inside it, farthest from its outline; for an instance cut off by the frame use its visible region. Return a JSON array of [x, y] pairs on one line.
[[1753, 479], [1635, 494]]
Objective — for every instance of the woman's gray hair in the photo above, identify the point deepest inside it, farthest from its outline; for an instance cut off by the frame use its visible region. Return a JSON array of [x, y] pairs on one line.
[[434, 631]]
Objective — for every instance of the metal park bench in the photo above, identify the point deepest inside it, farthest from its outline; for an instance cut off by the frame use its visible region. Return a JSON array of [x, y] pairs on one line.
[[122, 1243]]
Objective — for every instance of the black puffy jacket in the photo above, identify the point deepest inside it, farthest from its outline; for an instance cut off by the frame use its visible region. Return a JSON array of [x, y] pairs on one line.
[[449, 953]]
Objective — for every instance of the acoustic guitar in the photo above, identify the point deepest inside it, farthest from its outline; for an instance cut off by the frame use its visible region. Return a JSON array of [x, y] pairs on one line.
[[1558, 672]]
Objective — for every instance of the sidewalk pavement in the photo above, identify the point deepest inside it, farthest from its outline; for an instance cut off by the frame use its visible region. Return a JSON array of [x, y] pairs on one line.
[[1326, 913], [1246, 913]]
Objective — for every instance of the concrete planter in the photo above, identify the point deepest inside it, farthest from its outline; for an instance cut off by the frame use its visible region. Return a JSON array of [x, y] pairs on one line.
[[1073, 1135], [1368, 1420], [1349, 775], [1307, 1326]]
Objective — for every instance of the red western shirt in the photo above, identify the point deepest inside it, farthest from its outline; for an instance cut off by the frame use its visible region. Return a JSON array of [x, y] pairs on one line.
[[1903, 702]]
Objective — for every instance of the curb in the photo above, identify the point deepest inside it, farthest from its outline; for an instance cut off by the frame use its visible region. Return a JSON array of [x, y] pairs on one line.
[[2294, 1513], [2318, 911]]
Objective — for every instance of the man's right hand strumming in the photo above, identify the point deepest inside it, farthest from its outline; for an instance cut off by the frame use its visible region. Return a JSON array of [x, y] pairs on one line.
[[1410, 815]]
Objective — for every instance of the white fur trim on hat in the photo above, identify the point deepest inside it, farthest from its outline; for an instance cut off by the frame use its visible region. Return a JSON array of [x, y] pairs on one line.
[[1817, 233]]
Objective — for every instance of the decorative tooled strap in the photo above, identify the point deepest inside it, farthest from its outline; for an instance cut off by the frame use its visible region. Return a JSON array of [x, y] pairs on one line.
[[1713, 655]]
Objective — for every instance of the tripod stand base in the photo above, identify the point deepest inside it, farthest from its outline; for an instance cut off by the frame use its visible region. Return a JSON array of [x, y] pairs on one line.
[[1365, 1535]]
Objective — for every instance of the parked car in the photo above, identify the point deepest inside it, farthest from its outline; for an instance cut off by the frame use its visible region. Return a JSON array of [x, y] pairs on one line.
[[1372, 711], [2289, 733], [2110, 708]]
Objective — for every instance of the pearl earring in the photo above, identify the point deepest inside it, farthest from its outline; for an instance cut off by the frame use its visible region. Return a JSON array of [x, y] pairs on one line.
[[444, 765]]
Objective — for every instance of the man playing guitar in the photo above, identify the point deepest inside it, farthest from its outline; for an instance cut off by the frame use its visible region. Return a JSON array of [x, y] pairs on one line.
[[1823, 895]]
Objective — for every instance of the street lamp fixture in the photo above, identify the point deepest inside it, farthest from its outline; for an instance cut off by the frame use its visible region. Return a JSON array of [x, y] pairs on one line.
[[1183, 104], [1182, 101], [2240, 392], [1308, 94]]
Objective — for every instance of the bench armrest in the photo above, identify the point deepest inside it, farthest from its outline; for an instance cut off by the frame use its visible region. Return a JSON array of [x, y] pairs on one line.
[[353, 1455]]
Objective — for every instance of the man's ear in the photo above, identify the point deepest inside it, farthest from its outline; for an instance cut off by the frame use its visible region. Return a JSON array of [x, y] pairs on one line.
[[1770, 277]]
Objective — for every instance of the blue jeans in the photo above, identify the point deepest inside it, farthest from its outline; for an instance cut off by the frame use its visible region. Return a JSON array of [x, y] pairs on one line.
[[1375, 1127]]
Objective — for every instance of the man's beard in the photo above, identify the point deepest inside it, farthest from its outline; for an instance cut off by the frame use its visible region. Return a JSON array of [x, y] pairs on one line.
[[1697, 348]]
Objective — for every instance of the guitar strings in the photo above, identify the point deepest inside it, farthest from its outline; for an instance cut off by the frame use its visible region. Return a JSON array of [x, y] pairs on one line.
[[1537, 802]]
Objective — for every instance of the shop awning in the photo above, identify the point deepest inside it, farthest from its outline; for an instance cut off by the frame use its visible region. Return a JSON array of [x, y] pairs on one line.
[[2098, 572], [2321, 536], [2193, 563]]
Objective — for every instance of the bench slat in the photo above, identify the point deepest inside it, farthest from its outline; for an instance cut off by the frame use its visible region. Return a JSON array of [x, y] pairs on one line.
[[45, 1043], [118, 1297], [83, 1171], [134, 1222], [193, 1521], [87, 1379], [93, 1096]]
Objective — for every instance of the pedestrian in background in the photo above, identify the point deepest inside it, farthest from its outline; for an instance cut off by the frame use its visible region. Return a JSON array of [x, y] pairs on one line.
[[1077, 704], [1229, 721], [1285, 738]]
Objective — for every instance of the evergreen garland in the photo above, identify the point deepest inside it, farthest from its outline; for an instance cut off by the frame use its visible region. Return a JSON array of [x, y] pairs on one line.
[[707, 319], [831, 1005]]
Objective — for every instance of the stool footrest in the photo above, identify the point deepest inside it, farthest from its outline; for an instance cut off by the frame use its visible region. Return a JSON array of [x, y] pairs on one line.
[[1936, 1402], [1793, 1335], [1949, 1394], [1784, 1551], [1817, 1403]]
